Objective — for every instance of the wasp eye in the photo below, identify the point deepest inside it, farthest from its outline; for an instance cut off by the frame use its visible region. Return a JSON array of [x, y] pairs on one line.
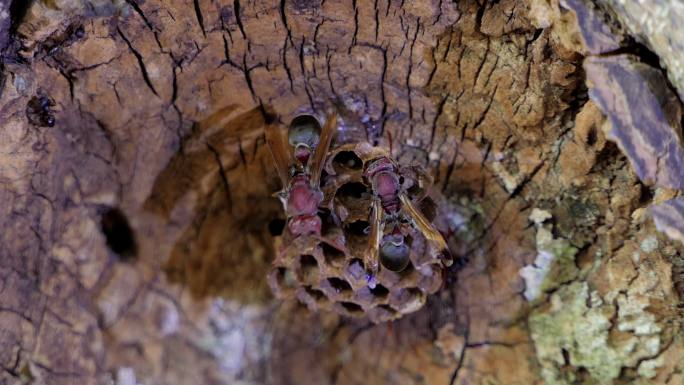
[[394, 257], [304, 129]]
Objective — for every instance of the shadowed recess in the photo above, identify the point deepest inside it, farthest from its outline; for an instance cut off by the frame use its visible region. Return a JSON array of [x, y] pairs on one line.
[[348, 160], [348, 193], [352, 307], [359, 228], [309, 266], [118, 233], [315, 293], [379, 291], [339, 285], [332, 254], [276, 226]]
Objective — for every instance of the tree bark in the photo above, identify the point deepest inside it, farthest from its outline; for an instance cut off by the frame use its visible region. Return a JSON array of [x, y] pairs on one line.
[[137, 210]]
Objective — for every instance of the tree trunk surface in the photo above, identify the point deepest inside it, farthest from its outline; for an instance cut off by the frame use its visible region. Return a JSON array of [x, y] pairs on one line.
[[137, 215]]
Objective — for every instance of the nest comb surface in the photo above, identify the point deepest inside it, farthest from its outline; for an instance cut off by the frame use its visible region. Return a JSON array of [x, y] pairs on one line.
[[328, 272]]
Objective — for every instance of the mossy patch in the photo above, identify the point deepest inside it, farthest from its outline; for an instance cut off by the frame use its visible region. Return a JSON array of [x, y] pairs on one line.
[[578, 330]]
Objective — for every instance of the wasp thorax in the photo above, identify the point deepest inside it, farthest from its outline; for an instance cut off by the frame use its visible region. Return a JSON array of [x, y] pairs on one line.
[[386, 183], [302, 198]]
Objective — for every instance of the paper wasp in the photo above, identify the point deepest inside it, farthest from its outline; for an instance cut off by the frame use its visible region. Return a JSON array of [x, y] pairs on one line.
[[392, 209], [300, 169]]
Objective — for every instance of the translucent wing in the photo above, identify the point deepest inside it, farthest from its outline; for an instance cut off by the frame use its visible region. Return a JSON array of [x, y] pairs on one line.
[[373, 256], [281, 155], [322, 148], [424, 226], [218, 118]]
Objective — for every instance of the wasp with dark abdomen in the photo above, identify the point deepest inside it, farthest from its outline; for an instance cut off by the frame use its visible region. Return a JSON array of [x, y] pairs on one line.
[[391, 209], [300, 169]]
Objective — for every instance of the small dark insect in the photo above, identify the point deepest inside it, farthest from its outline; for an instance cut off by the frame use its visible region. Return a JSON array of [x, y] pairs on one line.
[[39, 111], [393, 209], [301, 194]]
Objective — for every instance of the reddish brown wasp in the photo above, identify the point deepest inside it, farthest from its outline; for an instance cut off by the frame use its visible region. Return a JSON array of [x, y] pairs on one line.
[[301, 175], [392, 209]]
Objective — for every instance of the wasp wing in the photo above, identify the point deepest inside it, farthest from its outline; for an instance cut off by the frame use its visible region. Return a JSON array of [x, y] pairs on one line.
[[218, 119], [327, 133], [373, 255], [426, 228], [281, 156]]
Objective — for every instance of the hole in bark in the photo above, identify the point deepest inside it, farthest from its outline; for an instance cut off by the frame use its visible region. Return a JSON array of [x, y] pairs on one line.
[[592, 136], [118, 233], [18, 10], [646, 195], [348, 193], [332, 254], [387, 308], [276, 226], [351, 307], [340, 285], [39, 111], [309, 266], [348, 160], [379, 291]]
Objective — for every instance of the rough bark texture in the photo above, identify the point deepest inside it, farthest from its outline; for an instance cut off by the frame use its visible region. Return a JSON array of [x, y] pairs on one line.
[[135, 190]]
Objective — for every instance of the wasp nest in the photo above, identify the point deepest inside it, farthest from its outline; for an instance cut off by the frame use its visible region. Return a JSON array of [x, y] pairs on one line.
[[328, 272]]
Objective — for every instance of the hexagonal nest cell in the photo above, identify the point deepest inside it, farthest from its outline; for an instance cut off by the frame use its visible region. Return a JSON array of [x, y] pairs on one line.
[[327, 272]]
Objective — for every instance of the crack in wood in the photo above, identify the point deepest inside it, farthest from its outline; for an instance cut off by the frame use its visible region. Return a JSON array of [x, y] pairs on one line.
[[141, 62]]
